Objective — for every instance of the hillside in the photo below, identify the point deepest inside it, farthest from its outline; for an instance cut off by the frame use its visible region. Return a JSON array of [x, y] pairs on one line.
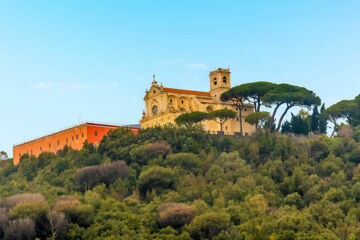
[[183, 183]]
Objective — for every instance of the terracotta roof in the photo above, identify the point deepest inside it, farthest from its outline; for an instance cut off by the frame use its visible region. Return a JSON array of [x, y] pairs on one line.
[[181, 91]]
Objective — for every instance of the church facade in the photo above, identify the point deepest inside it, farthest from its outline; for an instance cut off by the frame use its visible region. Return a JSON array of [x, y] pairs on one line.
[[163, 105]]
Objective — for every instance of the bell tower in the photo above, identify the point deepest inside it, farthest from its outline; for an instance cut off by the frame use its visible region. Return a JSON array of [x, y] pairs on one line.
[[219, 82]]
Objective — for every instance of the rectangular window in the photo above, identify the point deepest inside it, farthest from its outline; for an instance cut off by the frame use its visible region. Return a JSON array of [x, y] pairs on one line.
[[95, 133], [40, 149], [58, 142], [49, 145], [77, 137], [72, 138], [67, 141], [82, 135]]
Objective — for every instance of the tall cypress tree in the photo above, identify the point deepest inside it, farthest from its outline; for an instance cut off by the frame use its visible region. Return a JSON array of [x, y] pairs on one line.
[[315, 120], [299, 125], [322, 120]]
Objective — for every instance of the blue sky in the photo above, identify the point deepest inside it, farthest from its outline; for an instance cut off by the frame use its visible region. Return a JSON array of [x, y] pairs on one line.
[[65, 62]]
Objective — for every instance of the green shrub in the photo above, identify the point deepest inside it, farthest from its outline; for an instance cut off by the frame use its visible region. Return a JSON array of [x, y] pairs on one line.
[[32, 210], [155, 178], [45, 159], [335, 195], [74, 210], [20, 229], [356, 134], [295, 200], [175, 215], [106, 173], [355, 155], [144, 153], [13, 200], [319, 149], [188, 161], [29, 168], [209, 225]]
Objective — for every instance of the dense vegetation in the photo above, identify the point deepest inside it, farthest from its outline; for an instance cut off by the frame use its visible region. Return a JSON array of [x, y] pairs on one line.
[[183, 183], [180, 182]]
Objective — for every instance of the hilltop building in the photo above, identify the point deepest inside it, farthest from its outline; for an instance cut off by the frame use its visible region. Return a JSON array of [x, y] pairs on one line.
[[73, 137], [163, 105]]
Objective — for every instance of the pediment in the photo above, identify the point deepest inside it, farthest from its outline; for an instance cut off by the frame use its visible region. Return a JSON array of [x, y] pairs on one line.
[[153, 91]]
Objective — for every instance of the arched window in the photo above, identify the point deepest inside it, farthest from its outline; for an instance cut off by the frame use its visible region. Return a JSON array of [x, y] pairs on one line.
[[224, 80], [154, 109], [95, 133], [215, 81], [209, 109]]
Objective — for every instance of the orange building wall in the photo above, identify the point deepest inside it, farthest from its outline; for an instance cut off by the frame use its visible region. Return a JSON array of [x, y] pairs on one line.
[[73, 137], [101, 131]]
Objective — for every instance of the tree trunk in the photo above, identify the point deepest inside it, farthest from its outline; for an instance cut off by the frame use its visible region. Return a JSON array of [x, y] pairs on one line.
[[282, 117], [258, 105], [349, 120], [240, 105], [333, 132], [272, 119], [255, 105]]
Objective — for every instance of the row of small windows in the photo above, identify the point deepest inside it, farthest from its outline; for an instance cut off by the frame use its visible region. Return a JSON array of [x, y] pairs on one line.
[[215, 80], [58, 142]]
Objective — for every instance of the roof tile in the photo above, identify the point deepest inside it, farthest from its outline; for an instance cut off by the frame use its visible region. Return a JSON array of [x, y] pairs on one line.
[[190, 92]]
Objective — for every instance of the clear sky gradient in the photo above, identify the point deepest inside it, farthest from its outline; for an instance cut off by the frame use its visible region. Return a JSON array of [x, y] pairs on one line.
[[65, 62]]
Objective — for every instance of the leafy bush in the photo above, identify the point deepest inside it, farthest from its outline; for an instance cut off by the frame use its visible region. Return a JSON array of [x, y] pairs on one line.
[[355, 155], [106, 173], [29, 167], [188, 161], [75, 212], [265, 186], [155, 178], [295, 200], [319, 149], [32, 210], [175, 215], [209, 225], [3, 222], [20, 229], [13, 200], [144, 153]]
